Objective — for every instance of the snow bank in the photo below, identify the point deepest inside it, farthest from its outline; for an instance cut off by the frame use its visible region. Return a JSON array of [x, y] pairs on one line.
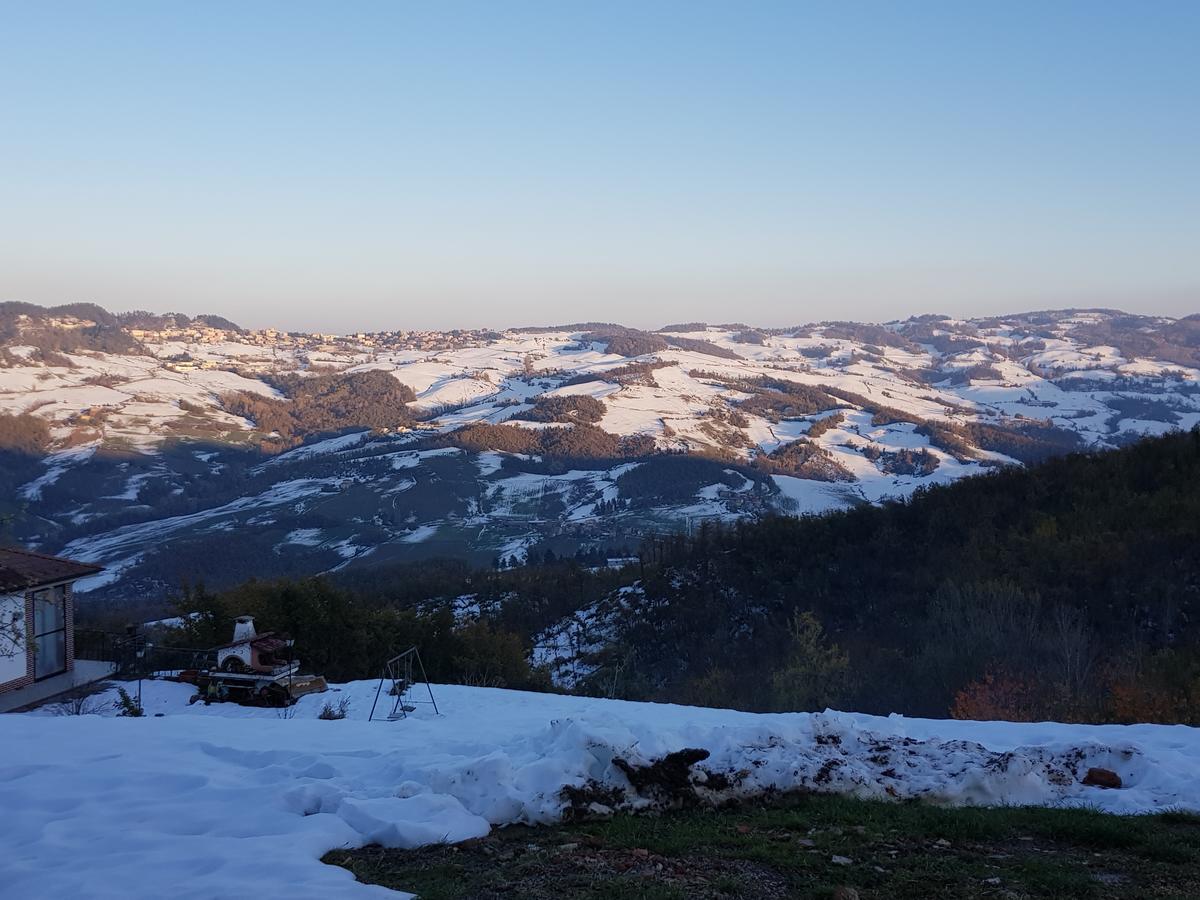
[[225, 801]]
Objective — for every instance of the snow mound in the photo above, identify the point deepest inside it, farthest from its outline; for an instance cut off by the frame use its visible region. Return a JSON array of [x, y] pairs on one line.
[[198, 802]]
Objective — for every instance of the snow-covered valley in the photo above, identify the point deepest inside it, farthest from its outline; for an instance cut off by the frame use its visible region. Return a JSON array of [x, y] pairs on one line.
[[191, 800], [728, 422]]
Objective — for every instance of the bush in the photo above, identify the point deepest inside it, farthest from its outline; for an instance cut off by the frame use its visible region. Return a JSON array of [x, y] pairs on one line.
[[127, 706], [333, 712], [998, 697], [77, 703]]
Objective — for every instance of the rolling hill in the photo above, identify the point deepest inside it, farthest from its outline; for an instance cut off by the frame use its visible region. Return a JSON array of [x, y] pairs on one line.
[[158, 444]]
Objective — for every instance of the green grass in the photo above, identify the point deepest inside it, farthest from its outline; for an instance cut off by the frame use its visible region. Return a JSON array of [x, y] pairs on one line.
[[895, 850]]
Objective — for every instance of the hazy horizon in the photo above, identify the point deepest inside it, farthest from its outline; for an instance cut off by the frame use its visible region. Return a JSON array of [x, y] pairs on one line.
[[648, 325], [471, 165]]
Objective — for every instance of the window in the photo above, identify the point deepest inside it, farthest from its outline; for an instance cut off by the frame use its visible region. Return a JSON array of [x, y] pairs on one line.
[[50, 631]]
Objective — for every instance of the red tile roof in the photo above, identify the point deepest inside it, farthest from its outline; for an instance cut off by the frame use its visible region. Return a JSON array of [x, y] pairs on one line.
[[21, 570]]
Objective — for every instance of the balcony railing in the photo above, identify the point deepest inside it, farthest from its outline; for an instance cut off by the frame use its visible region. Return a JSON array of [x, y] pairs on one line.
[[135, 657]]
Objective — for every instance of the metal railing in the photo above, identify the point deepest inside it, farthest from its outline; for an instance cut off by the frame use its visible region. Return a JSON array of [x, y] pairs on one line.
[[135, 657]]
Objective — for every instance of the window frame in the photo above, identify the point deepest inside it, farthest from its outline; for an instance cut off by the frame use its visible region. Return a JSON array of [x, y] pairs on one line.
[[59, 595]]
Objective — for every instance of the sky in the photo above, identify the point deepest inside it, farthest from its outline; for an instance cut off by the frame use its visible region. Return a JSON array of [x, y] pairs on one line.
[[368, 166]]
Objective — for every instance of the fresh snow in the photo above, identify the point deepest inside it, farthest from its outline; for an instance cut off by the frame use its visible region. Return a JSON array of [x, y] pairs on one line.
[[223, 800]]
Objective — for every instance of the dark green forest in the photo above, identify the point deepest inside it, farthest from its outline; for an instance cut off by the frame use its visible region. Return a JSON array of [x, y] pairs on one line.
[[1068, 590]]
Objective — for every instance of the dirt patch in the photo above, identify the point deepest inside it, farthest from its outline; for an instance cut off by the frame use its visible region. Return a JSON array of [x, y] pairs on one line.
[[674, 781], [668, 779], [511, 864]]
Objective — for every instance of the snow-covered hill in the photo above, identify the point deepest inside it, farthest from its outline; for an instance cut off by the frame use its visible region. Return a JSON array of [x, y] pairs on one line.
[[797, 420], [202, 801]]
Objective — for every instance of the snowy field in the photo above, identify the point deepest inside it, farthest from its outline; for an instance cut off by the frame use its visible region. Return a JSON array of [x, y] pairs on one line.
[[224, 801]]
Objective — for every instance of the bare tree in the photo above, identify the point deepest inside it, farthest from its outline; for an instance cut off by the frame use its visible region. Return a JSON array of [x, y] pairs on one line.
[[78, 702], [1074, 649]]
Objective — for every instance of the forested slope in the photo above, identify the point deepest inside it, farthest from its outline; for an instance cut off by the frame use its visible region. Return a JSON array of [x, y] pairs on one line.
[[1065, 591], [1038, 590]]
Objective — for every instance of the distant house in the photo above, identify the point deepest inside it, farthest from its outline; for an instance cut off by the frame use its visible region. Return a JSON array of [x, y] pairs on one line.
[[37, 628]]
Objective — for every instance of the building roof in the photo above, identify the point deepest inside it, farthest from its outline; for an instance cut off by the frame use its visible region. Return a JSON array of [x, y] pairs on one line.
[[21, 570]]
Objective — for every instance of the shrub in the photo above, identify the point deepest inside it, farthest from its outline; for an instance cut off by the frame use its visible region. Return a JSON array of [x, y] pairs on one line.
[[998, 697], [127, 706], [77, 703], [332, 712]]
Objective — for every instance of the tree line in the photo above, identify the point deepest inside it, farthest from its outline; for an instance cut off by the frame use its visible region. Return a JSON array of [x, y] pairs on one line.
[[1069, 590]]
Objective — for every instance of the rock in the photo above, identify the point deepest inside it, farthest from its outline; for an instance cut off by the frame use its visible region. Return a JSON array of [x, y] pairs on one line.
[[841, 861], [941, 842], [1104, 778], [844, 892], [641, 852]]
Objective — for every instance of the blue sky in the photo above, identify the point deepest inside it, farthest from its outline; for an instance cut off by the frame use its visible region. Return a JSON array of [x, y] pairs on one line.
[[387, 165]]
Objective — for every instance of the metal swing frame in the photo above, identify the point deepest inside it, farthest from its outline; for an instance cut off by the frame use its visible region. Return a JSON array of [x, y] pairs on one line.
[[400, 671]]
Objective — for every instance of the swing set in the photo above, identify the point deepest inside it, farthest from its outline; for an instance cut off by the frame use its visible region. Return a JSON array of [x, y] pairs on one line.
[[400, 671]]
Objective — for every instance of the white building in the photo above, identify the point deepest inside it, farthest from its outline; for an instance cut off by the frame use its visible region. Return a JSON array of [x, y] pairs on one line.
[[37, 628]]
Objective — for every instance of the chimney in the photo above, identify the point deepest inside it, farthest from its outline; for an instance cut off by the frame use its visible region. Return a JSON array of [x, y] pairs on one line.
[[243, 628]]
